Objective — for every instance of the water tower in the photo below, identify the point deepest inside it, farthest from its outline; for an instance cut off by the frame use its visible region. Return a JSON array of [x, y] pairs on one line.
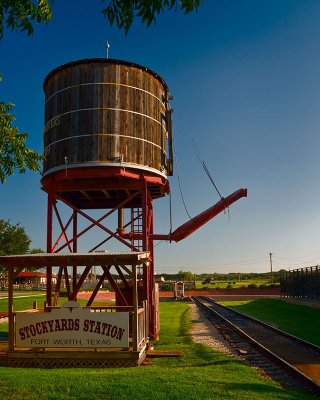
[[108, 147]]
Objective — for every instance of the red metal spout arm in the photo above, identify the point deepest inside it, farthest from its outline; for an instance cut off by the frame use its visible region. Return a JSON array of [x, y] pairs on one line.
[[195, 223]]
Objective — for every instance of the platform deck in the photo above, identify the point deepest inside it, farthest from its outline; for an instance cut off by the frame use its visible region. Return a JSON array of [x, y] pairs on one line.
[[71, 358]]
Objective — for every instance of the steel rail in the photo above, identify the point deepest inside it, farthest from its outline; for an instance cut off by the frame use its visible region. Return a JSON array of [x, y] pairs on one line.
[[310, 345], [300, 376]]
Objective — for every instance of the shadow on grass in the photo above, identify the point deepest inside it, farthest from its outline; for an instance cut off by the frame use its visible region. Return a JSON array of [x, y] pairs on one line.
[[211, 363], [205, 356], [260, 388], [184, 327], [212, 358], [256, 304]]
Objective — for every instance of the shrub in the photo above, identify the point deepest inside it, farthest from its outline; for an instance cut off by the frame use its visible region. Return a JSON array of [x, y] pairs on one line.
[[108, 286], [252, 286], [263, 286], [273, 285], [166, 286]]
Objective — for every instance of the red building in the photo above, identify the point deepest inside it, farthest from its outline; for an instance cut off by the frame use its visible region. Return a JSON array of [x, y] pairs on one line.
[[33, 278]]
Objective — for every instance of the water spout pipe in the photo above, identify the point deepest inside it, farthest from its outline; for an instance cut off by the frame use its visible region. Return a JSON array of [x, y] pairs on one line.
[[195, 223]]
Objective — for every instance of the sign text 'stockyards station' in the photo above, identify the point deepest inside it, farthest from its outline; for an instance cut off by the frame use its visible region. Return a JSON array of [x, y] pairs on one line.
[[72, 326]]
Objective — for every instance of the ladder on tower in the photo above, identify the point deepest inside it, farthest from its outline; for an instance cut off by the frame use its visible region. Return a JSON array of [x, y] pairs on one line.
[[136, 229]]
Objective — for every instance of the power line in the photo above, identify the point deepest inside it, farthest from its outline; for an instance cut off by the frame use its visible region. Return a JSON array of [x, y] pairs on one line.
[[220, 266], [298, 257], [178, 176], [250, 261], [204, 166]]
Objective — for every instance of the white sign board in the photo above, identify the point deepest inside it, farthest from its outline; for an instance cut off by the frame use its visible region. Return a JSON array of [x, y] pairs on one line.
[[72, 326]]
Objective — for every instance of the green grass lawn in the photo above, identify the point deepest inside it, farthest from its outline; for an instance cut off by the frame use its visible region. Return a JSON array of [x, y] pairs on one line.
[[25, 302], [298, 319], [235, 284], [200, 374]]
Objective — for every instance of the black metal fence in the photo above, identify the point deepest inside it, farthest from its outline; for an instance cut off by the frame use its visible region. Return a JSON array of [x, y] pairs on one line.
[[301, 283]]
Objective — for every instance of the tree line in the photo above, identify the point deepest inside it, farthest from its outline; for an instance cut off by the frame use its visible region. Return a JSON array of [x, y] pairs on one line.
[[188, 276], [14, 240]]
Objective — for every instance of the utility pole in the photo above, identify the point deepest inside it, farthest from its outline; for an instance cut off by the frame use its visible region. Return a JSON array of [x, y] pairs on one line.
[[270, 254]]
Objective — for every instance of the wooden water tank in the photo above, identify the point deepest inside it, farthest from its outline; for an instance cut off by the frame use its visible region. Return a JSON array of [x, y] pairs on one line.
[[105, 112]]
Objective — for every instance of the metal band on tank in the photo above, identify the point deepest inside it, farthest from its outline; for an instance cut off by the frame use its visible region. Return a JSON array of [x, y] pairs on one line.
[[105, 164], [104, 134], [105, 83], [106, 109]]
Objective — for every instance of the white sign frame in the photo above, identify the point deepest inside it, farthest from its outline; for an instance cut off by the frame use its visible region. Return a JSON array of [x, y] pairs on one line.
[[72, 327]]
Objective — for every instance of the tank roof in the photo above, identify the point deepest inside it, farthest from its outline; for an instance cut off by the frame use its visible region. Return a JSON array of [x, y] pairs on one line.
[[104, 61]]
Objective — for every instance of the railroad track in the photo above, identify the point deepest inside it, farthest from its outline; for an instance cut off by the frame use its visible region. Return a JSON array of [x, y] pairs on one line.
[[287, 359]]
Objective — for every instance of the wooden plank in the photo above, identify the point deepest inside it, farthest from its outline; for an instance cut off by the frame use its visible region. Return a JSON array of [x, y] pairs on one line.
[[69, 259], [135, 308], [10, 309], [119, 353]]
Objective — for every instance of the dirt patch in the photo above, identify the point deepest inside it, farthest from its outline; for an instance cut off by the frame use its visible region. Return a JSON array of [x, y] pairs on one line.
[[102, 295]]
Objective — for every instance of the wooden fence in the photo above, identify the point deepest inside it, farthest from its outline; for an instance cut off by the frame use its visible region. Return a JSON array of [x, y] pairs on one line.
[[301, 283]]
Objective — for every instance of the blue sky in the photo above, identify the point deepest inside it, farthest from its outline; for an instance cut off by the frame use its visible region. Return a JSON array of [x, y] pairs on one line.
[[246, 85]]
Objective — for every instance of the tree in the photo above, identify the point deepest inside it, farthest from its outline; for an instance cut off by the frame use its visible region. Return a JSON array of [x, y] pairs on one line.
[[14, 153], [185, 276], [124, 12], [36, 250], [13, 239], [21, 15]]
